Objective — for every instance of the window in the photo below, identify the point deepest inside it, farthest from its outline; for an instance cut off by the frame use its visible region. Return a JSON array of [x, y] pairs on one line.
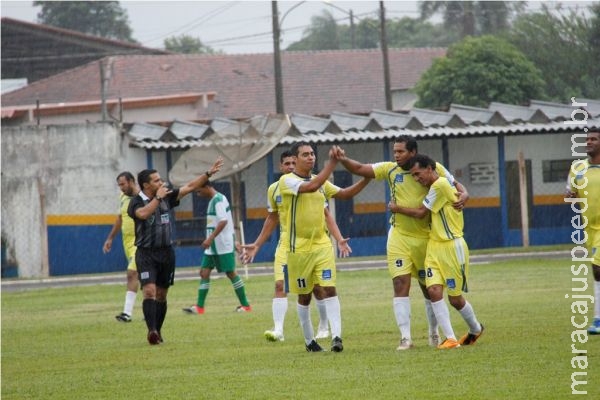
[[556, 170]]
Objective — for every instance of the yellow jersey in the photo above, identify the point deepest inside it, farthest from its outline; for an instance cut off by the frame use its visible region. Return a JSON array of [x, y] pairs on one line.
[[303, 213], [406, 192], [274, 206], [584, 181], [127, 224], [447, 223]]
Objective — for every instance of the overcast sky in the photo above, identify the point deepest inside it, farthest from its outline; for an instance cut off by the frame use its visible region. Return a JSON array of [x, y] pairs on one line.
[[231, 26]]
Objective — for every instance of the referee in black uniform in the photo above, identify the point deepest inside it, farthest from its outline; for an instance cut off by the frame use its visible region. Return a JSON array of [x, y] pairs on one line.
[[155, 257]]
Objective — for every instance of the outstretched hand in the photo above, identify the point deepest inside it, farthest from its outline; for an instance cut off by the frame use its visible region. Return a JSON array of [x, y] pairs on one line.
[[216, 167], [344, 249], [248, 252]]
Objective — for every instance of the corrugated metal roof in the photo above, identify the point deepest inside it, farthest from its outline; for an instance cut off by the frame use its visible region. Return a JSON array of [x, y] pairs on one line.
[[499, 119], [392, 120], [477, 116]]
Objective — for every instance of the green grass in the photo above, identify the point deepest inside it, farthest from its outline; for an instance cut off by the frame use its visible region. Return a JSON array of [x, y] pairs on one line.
[[65, 344]]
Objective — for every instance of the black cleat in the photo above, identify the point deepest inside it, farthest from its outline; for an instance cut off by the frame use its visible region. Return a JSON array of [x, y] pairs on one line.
[[123, 317], [336, 344], [314, 347], [153, 337], [470, 338]]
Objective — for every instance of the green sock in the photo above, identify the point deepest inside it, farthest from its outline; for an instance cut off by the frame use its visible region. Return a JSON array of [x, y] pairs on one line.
[[240, 291], [203, 292]]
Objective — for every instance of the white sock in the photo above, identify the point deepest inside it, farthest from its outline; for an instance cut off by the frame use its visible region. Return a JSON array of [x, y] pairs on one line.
[[280, 306], [322, 308], [402, 313], [332, 304], [469, 316], [597, 299], [442, 314], [433, 324], [305, 323], [129, 302]]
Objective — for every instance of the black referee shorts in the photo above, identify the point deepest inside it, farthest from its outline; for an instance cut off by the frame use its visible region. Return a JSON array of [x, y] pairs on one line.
[[156, 266]]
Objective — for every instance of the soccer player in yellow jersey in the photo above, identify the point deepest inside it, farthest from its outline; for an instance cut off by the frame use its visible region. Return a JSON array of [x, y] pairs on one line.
[[311, 261], [584, 184], [275, 216], [407, 237], [447, 259], [125, 224]]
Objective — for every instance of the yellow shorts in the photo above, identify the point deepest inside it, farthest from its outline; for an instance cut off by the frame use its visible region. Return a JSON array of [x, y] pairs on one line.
[[129, 248], [279, 263], [593, 245], [305, 270], [406, 255], [447, 264]]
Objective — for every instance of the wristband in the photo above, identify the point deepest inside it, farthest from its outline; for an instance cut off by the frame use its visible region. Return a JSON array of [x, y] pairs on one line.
[[208, 174]]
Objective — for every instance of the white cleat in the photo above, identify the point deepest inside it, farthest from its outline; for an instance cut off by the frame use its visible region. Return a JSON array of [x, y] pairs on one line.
[[322, 333], [405, 344], [273, 336], [434, 340]]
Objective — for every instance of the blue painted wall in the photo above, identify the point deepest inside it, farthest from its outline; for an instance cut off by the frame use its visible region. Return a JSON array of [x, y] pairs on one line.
[[78, 249]]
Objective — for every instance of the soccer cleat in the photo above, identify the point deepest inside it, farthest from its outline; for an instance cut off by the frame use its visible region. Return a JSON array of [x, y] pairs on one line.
[[314, 347], [322, 333], [243, 309], [405, 344], [160, 338], [449, 344], [153, 337], [594, 329], [434, 340], [123, 317], [193, 310], [336, 344], [274, 336], [471, 338]]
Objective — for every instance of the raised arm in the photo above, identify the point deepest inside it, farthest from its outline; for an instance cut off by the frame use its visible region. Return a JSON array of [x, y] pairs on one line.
[[314, 184], [353, 166], [351, 191], [199, 181]]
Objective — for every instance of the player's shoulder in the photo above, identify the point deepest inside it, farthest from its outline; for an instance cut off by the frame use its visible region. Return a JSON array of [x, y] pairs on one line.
[[441, 182]]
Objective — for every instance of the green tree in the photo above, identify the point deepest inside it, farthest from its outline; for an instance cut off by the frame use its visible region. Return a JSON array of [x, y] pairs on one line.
[[477, 71], [322, 34], [565, 47], [188, 45], [470, 18], [99, 18]]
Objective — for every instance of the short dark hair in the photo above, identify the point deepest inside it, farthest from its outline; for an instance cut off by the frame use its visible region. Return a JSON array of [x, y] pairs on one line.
[[423, 161], [285, 154], [127, 175], [411, 142], [295, 148], [144, 176]]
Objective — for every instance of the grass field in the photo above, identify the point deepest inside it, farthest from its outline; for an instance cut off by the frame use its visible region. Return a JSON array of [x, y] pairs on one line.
[[66, 344]]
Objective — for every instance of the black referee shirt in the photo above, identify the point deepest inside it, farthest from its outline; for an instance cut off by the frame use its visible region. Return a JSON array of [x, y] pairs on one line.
[[154, 232]]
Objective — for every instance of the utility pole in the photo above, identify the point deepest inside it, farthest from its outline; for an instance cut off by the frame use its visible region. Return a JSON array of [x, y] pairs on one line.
[[352, 31], [386, 62], [277, 60]]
